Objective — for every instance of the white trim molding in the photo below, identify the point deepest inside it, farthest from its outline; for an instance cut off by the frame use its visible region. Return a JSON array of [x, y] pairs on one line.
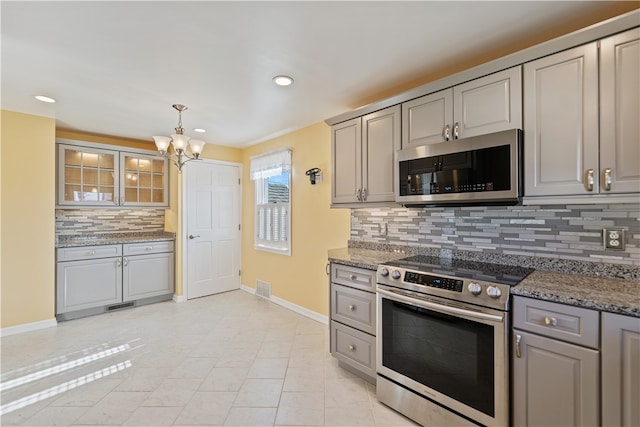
[[179, 298], [291, 306], [28, 327]]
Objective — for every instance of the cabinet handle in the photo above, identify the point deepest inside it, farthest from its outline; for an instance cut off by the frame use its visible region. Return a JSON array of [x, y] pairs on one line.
[[91, 252], [353, 277], [359, 194], [550, 321], [364, 194], [352, 347], [607, 179], [352, 307], [589, 181], [149, 248], [456, 130], [126, 262], [518, 350], [327, 269], [446, 133], [118, 263]]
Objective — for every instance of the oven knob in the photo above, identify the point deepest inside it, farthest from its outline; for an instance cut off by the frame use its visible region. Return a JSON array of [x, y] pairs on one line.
[[395, 274], [494, 292], [384, 272], [474, 288]]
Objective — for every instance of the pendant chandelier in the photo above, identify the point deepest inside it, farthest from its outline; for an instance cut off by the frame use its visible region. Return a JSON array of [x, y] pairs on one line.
[[180, 142]]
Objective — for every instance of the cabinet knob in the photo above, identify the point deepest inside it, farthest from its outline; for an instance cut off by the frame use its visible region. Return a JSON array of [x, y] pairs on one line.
[[607, 179], [589, 180], [352, 307], [353, 277], [352, 347], [550, 321]]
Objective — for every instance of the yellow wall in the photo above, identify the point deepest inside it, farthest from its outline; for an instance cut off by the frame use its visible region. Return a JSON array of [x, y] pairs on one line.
[[315, 228], [27, 221]]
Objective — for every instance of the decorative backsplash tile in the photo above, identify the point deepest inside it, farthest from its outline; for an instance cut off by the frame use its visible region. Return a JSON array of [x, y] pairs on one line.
[[79, 222], [572, 232]]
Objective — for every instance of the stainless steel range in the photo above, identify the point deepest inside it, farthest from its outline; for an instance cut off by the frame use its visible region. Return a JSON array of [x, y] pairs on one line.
[[442, 352]]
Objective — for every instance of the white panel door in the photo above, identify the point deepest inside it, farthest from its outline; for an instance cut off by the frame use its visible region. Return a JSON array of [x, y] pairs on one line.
[[213, 228]]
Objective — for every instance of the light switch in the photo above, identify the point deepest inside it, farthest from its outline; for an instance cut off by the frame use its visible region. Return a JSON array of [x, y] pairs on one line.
[[613, 238]]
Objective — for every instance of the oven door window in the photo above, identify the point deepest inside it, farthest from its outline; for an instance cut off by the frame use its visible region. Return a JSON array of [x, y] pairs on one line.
[[450, 355]]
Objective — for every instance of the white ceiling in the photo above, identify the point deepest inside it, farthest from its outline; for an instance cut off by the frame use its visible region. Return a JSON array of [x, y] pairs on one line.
[[116, 68]]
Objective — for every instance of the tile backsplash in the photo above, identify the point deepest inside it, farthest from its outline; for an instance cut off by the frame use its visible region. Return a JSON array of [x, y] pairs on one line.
[[571, 232], [79, 222]]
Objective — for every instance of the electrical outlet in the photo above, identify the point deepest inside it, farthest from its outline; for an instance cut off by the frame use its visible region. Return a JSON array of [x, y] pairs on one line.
[[613, 238]]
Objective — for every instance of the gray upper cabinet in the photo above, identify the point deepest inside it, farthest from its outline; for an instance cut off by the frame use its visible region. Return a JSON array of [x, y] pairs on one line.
[[346, 161], [620, 370], [620, 113], [489, 104], [565, 151], [363, 158], [96, 175]]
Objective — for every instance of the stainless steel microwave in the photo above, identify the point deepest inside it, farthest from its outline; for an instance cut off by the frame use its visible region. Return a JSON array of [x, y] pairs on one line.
[[485, 169]]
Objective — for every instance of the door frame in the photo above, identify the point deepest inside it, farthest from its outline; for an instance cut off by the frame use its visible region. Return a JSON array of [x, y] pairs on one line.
[[183, 202]]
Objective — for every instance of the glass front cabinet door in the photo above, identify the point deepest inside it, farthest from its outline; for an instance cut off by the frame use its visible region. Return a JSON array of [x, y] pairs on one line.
[[144, 178], [101, 177], [87, 176]]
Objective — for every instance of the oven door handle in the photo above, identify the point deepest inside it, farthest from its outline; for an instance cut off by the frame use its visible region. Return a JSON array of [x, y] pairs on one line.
[[397, 295]]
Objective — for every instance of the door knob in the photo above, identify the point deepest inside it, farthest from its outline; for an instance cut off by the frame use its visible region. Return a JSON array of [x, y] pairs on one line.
[[191, 236]]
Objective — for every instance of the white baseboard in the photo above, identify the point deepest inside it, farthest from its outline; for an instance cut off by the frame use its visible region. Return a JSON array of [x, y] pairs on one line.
[[179, 298], [28, 327], [291, 306]]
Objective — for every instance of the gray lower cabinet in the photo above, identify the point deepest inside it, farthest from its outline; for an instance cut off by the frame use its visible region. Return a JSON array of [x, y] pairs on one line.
[[353, 319], [620, 370], [91, 279], [555, 372], [149, 274]]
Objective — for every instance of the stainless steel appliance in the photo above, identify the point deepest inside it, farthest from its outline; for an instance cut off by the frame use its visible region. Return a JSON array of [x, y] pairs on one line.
[[442, 340], [485, 169]]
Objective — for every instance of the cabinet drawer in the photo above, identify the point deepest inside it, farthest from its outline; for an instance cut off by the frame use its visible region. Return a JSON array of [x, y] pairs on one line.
[[147, 248], [88, 252], [354, 277], [572, 324], [354, 307], [354, 348]]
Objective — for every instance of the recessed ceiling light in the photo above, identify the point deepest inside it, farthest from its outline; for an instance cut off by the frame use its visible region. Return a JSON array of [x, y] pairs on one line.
[[283, 80], [44, 99], [199, 130]]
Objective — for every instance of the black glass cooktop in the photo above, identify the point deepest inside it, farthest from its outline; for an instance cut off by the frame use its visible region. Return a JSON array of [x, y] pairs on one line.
[[502, 274]]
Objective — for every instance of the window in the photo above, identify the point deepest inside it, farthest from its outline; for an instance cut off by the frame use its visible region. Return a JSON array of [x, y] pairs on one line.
[[271, 173]]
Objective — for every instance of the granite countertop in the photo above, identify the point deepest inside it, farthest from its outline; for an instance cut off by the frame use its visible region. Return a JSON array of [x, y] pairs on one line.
[[363, 258], [609, 294], [597, 293], [112, 238]]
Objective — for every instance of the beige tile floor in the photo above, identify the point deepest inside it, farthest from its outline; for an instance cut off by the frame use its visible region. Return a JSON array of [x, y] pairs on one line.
[[231, 359]]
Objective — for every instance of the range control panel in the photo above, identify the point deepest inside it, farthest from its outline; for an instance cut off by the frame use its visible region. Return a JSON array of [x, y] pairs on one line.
[[454, 285]]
